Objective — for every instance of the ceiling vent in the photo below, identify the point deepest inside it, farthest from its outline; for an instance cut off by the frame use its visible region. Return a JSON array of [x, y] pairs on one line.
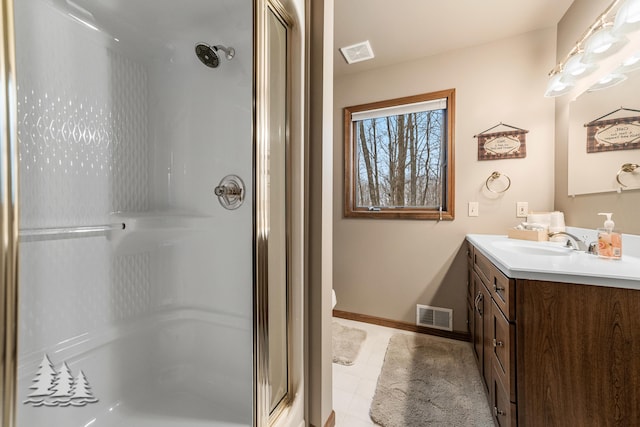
[[357, 52]]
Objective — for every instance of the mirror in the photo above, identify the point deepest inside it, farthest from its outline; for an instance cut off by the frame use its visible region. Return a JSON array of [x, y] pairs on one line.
[[596, 172]]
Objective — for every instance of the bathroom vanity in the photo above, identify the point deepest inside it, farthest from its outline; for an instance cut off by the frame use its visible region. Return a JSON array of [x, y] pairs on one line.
[[556, 332]]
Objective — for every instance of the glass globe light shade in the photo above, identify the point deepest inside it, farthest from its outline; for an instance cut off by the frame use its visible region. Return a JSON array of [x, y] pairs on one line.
[[577, 68], [628, 18], [559, 84], [602, 44], [609, 80], [630, 64]]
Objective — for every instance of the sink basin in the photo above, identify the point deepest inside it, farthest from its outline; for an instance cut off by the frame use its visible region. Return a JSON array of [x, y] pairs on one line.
[[525, 247]]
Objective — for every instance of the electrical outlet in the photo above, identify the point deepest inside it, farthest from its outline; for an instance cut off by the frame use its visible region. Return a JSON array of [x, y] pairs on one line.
[[522, 209], [473, 209]]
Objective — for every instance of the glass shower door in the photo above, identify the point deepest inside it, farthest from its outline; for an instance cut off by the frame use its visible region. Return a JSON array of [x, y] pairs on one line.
[[273, 218], [136, 283]]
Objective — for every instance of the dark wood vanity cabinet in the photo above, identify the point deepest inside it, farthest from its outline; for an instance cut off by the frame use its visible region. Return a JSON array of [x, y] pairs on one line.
[[579, 355], [492, 335], [559, 354]]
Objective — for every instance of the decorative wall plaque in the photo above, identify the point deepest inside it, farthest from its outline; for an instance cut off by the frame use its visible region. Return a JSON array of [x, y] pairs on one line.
[[622, 133], [509, 144]]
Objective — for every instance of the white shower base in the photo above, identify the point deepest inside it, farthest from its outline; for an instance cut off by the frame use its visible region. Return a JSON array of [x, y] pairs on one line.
[[157, 372]]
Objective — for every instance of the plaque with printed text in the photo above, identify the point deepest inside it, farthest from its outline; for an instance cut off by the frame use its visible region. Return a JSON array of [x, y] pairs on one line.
[[502, 145], [614, 134]]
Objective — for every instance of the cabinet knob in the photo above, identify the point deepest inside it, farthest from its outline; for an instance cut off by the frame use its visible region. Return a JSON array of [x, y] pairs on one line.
[[497, 411], [497, 343], [497, 288]]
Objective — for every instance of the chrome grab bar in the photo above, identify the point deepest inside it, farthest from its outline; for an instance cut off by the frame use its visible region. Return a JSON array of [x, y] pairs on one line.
[[57, 233]]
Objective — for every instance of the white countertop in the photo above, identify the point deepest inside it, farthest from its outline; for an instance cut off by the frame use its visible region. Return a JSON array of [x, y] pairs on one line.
[[522, 259]]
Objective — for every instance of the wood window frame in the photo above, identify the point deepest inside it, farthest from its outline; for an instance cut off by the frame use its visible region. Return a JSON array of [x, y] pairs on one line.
[[446, 210]]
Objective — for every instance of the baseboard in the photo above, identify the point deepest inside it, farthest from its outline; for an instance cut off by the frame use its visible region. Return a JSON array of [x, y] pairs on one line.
[[405, 326], [331, 421]]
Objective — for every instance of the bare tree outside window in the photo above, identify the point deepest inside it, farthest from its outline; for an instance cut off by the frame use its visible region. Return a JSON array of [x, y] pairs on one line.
[[399, 158]]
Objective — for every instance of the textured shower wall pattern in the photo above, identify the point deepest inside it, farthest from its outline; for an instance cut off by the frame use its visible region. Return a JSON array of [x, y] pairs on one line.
[[83, 154]]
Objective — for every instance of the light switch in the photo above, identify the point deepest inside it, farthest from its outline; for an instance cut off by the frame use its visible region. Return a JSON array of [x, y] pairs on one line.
[[473, 209], [522, 209]]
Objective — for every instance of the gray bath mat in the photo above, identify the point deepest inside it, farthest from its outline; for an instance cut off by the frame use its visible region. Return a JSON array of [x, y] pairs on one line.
[[346, 343], [429, 381]]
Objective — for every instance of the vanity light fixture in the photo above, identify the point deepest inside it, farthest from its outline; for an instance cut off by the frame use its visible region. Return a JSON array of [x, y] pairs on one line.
[[630, 64], [603, 43], [609, 80], [576, 67], [628, 17], [559, 85]]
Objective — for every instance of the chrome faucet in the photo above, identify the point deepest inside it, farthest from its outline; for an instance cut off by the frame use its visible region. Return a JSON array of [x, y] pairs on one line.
[[580, 245]]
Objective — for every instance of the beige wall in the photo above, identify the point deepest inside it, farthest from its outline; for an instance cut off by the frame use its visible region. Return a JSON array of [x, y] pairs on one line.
[[385, 267], [581, 210], [319, 214]]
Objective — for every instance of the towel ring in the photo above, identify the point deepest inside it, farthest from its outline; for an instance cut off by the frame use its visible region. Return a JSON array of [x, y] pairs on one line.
[[495, 175], [627, 167]]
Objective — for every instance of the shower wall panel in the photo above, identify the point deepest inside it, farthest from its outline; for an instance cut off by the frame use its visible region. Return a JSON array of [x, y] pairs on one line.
[[201, 130], [83, 138]]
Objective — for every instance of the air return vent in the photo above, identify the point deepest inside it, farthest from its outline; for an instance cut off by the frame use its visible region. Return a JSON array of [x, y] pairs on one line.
[[357, 52], [434, 317]]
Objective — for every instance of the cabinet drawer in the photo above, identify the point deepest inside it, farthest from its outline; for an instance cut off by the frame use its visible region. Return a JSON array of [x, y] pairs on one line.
[[503, 354], [502, 291], [504, 411], [482, 266], [499, 285]]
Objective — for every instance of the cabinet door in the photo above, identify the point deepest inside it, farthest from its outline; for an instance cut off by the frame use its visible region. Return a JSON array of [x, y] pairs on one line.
[[478, 323], [482, 338], [577, 355], [471, 294], [487, 322], [470, 318], [504, 412], [503, 351]]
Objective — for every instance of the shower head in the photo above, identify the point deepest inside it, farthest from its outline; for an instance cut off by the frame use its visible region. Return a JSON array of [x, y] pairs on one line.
[[208, 54]]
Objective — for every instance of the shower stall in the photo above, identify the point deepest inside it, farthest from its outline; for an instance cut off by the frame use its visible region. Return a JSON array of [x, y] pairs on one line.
[[151, 214]]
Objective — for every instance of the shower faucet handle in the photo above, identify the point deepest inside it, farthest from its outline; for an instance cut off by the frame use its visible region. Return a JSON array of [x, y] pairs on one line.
[[230, 192], [227, 190]]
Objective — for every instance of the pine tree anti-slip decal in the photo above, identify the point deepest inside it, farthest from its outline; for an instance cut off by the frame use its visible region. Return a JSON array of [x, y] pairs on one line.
[[59, 388]]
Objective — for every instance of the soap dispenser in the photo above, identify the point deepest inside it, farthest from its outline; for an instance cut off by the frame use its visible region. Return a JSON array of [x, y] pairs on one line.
[[609, 240]]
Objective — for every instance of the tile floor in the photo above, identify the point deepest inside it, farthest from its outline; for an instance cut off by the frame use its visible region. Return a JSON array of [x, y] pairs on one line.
[[354, 386]]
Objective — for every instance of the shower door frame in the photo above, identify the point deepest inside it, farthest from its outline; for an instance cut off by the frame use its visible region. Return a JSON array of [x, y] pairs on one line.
[[263, 415], [8, 219]]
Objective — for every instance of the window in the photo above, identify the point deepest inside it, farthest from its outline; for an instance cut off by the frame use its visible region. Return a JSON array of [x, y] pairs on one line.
[[399, 158]]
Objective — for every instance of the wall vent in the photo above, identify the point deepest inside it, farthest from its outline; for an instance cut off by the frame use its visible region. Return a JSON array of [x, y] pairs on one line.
[[434, 317]]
